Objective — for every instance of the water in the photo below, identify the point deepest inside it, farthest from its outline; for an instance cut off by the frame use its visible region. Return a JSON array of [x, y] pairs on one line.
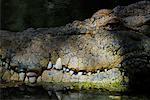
[[39, 93]]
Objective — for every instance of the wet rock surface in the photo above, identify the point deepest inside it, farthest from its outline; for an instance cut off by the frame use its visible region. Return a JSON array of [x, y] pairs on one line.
[[107, 42]]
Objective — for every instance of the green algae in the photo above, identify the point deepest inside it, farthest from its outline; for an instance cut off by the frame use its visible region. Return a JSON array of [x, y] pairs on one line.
[[115, 86], [108, 86]]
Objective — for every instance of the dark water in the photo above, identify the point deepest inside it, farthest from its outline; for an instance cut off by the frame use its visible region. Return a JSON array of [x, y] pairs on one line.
[[39, 93]]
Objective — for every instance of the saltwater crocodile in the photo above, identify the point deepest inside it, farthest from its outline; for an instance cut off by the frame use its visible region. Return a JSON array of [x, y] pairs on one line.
[[102, 51]]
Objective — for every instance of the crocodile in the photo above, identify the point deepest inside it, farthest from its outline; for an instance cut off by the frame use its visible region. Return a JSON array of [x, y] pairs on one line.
[[99, 52]]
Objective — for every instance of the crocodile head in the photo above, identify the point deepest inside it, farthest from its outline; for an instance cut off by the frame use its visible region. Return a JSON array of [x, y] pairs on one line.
[[108, 57]]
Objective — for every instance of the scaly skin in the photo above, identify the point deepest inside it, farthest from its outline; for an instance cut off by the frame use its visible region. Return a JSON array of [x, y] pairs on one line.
[[83, 46]]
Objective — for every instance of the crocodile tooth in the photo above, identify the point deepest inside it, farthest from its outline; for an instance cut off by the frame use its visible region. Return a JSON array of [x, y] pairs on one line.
[[80, 73], [105, 70], [49, 65], [21, 76], [32, 79], [89, 73], [3, 63], [58, 64], [26, 79], [119, 65], [32, 76], [71, 72], [98, 71], [84, 73], [67, 69], [64, 69]]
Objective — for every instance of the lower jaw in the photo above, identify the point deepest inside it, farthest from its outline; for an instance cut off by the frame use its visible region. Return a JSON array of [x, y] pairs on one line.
[[111, 80]]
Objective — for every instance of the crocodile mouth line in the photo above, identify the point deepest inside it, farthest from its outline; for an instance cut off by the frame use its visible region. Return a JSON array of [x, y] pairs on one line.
[[50, 66], [73, 71]]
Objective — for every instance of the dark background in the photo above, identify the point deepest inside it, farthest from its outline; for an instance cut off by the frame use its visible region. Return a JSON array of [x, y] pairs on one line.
[[17, 15]]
